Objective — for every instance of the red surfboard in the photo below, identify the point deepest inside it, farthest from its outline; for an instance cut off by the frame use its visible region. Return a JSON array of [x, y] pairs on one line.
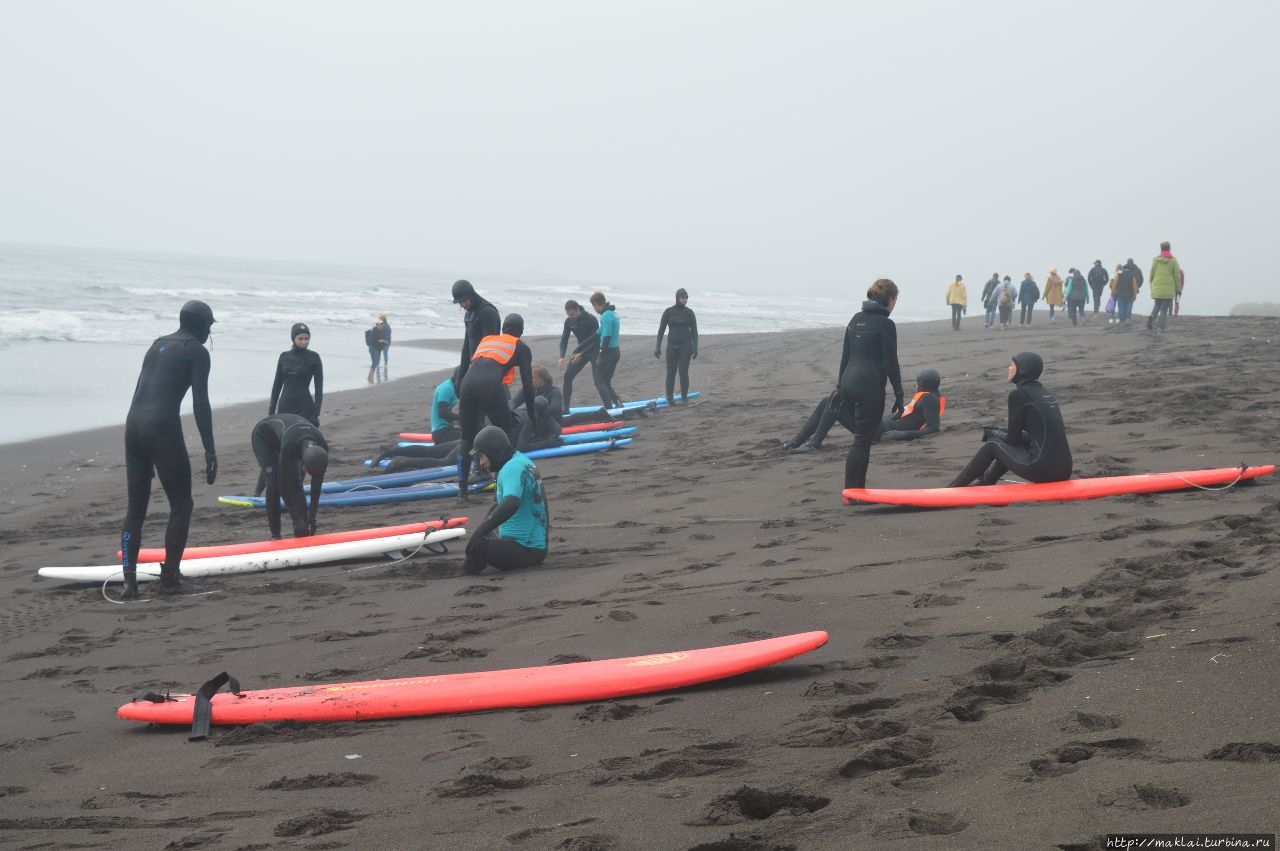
[[578, 682], [1072, 489], [156, 554], [425, 436]]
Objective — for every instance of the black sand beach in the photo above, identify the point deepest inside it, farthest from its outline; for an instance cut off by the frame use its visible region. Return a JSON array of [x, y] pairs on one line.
[[1025, 677]]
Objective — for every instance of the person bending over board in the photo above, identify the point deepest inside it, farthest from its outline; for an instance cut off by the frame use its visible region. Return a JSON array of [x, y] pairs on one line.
[[154, 444], [921, 417], [868, 362], [483, 390], [286, 446], [549, 404], [519, 515], [1034, 446], [682, 345]]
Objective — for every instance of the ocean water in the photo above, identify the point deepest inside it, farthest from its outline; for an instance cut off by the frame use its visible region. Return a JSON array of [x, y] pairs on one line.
[[76, 322]]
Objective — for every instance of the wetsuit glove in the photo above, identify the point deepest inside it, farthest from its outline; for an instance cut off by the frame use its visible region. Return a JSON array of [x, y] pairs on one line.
[[657, 353], [897, 406], [210, 466]]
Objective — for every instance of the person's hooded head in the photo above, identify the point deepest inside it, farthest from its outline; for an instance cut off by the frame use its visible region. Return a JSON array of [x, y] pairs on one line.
[[300, 328], [463, 291], [682, 295], [315, 458], [492, 442], [1029, 366], [513, 325], [197, 318], [929, 380]]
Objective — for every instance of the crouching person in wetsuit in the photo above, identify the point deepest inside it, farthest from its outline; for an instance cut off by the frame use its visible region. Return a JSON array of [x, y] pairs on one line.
[[286, 445], [923, 414], [483, 392], [154, 445], [1035, 444], [520, 514], [548, 402]]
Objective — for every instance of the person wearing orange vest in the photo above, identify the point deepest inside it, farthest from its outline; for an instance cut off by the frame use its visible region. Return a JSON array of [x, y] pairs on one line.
[[483, 391], [922, 416]]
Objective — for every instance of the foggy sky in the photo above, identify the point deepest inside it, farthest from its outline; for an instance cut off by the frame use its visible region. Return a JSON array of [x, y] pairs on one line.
[[792, 146]]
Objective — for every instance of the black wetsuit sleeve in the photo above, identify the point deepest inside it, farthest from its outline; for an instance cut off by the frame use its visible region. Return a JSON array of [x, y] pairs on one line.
[[844, 358], [555, 402], [317, 483], [499, 514], [564, 336], [1018, 404], [445, 412], [276, 386], [200, 395], [693, 328], [889, 349], [662, 326], [524, 360], [319, 377], [592, 340]]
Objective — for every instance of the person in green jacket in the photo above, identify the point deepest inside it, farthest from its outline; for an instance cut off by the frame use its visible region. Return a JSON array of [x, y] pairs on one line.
[[1163, 279]]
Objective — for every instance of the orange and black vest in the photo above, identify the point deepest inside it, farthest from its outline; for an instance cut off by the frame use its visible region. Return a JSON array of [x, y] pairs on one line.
[[911, 406], [500, 348]]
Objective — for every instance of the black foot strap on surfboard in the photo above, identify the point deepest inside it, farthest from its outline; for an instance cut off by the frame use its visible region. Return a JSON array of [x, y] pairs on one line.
[[203, 713]]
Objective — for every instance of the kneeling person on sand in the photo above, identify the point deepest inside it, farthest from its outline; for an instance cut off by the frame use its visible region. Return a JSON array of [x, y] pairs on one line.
[[519, 515], [287, 446]]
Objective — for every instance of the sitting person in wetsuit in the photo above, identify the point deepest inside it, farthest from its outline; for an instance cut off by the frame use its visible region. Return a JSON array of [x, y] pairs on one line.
[[443, 448], [548, 403], [920, 418], [519, 516], [1035, 444], [444, 419], [286, 446]]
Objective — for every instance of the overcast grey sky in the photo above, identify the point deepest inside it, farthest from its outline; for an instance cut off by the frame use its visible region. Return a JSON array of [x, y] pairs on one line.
[[718, 144]]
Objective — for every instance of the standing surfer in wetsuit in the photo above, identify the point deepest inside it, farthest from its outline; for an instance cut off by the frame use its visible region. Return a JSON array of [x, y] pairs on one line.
[[286, 446], [610, 353], [869, 361], [584, 328], [682, 345], [1035, 445], [154, 444], [483, 390], [295, 371], [480, 320]]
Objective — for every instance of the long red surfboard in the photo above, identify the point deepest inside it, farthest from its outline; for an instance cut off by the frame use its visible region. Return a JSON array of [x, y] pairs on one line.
[[483, 690], [581, 428], [1072, 489], [155, 554]]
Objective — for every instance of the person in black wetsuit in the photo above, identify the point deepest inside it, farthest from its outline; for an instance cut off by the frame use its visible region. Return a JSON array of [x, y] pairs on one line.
[[921, 417], [583, 326], [682, 345], [483, 391], [286, 446], [295, 370], [869, 361], [549, 403], [154, 444], [1035, 444], [480, 320]]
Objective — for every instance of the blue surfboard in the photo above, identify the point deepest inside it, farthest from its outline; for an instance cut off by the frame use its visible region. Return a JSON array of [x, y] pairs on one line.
[[660, 402]]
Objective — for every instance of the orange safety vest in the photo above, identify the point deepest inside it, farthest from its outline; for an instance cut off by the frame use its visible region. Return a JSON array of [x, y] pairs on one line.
[[911, 406], [501, 348]]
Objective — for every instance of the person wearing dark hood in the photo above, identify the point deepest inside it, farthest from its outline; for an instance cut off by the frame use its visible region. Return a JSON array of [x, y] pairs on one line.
[[609, 353], [483, 391], [480, 320], [519, 515], [1034, 443], [1126, 292], [286, 446], [682, 345], [921, 417], [868, 361], [1098, 280], [549, 403], [584, 328], [154, 443], [295, 371]]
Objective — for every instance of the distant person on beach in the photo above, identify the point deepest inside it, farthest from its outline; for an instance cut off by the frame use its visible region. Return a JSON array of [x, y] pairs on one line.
[[609, 353], [584, 327], [386, 333], [990, 303], [154, 443], [1165, 277], [958, 298], [1006, 298], [1052, 294], [682, 345], [1028, 295], [920, 418], [287, 446], [480, 320], [296, 369], [519, 515], [549, 403], [1098, 280], [1076, 292], [1126, 292], [868, 361], [1182, 281], [378, 339], [483, 391], [1034, 443]]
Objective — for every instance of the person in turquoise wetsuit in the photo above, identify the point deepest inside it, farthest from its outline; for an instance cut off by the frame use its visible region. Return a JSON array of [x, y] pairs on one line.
[[610, 354], [519, 516], [444, 419]]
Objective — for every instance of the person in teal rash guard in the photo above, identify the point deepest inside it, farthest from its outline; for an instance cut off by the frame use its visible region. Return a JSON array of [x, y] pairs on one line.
[[519, 515], [444, 419], [610, 354]]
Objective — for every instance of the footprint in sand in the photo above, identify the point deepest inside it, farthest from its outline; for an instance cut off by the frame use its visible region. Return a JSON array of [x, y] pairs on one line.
[[750, 804]]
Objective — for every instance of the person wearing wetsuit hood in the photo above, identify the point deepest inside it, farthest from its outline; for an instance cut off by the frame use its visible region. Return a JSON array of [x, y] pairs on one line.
[[480, 320], [584, 328], [922, 416], [154, 443], [610, 353], [1034, 445], [286, 446], [295, 370], [482, 393], [682, 345], [549, 404], [868, 362], [519, 515]]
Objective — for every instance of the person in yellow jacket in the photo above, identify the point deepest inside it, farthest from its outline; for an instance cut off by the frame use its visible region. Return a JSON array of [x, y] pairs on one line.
[[1053, 292], [1165, 280], [958, 298]]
